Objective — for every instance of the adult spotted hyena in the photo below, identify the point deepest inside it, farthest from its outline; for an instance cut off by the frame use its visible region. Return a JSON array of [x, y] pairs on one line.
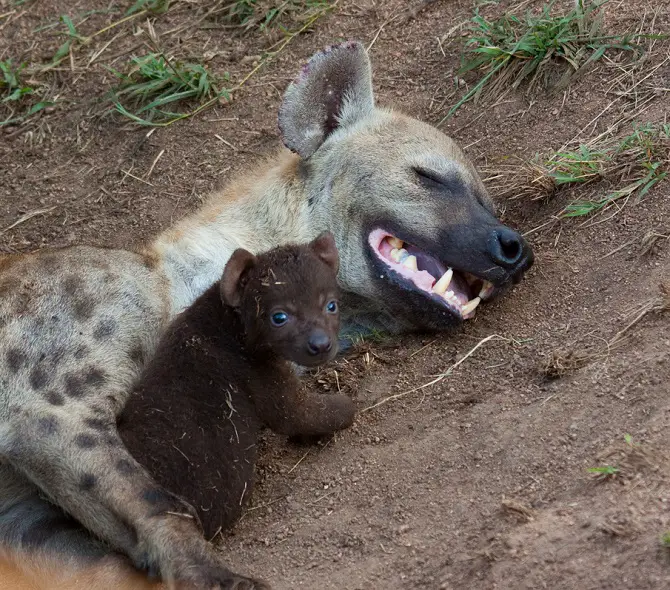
[[419, 244]]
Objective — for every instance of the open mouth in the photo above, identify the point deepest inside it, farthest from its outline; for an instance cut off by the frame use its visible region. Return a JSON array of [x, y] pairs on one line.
[[459, 291]]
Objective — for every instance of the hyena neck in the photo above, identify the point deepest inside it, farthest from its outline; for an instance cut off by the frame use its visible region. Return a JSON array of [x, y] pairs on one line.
[[266, 208]]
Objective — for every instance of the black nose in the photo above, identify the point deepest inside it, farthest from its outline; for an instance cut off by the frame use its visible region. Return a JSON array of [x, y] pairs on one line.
[[319, 342], [506, 247]]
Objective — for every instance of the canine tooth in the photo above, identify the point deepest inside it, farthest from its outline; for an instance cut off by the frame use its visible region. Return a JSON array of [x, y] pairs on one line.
[[443, 284], [470, 306], [486, 290], [395, 242], [410, 262]]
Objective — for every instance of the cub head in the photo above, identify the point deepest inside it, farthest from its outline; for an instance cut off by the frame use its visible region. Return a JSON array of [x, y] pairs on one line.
[[287, 299], [414, 225]]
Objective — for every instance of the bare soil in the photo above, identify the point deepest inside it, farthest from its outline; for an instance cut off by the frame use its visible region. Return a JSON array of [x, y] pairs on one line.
[[479, 481]]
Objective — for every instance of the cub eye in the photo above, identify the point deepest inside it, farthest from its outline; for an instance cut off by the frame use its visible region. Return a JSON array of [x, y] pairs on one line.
[[279, 318], [331, 307]]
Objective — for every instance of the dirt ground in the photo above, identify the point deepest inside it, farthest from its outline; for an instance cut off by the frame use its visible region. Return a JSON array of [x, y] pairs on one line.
[[479, 481]]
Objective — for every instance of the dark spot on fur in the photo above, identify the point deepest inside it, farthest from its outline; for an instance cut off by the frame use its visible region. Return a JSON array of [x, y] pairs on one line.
[[85, 441], [15, 359], [38, 378], [81, 352], [43, 530], [88, 482], [137, 355], [48, 260], [155, 496], [83, 308], [104, 329], [97, 424], [57, 354], [95, 377], [54, 398], [74, 386], [163, 501], [48, 425], [112, 440], [125, 467], [72, 285]]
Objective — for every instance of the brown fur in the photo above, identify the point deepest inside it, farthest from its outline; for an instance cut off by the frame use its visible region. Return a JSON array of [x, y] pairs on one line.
[[221, 373]]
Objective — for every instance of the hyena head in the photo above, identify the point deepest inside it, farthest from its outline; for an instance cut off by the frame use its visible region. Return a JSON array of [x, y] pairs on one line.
[[414, 225], [287, 299]]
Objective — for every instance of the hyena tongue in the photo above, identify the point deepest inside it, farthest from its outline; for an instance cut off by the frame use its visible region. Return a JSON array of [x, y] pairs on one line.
[[426, 261]]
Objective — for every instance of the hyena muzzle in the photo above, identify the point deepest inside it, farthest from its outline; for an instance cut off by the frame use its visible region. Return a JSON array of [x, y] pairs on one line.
[[420, 248]]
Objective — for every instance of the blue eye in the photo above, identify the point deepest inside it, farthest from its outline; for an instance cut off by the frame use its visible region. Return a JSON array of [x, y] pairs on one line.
[[279, 318], [331, 307]]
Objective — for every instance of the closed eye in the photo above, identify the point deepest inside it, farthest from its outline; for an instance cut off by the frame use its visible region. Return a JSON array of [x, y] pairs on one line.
[[449, 182], [428, 175]]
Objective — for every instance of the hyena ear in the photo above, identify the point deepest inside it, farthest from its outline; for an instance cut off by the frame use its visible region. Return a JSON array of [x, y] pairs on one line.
[[235, 277], [334, 89], [324, 247]]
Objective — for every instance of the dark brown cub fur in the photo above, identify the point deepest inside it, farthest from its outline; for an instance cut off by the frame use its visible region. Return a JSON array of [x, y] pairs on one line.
[[221, 373]]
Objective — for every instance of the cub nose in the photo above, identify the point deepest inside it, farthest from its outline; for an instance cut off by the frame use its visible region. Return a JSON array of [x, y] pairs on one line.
[[506, 247], [319, 342]]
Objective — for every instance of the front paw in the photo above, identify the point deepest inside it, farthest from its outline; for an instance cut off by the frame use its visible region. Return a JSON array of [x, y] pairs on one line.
[[343, 411]]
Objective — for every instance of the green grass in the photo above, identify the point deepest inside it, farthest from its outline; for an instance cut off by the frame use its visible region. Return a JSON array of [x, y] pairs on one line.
[[511, 49], [155, 83], [250, 14], [604, 470], [635, 162], [665, 540], [638, 161], [17, 94]]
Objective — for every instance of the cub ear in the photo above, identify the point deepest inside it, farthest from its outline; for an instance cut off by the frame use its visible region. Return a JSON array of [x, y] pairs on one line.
[[333, 90], [234, 277], [324, 247]]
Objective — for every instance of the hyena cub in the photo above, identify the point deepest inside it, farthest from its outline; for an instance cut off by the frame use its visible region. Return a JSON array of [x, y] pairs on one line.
[[222, 372]]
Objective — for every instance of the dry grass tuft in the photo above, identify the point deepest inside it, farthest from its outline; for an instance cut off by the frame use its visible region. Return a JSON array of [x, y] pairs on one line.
[[634, 163]]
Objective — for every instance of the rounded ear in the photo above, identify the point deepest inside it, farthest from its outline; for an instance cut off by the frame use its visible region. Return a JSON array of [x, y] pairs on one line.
[[324, 247], [333, 90], [234, 276]]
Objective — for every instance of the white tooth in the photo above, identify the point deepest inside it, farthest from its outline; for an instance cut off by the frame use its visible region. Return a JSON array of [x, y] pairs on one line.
[[486, 290], [395, 242], [443, 284], [410, 262], [470, 306]]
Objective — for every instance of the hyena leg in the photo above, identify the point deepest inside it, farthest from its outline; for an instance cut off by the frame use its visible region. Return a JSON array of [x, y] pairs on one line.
[[83, 467], [31, 524]]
